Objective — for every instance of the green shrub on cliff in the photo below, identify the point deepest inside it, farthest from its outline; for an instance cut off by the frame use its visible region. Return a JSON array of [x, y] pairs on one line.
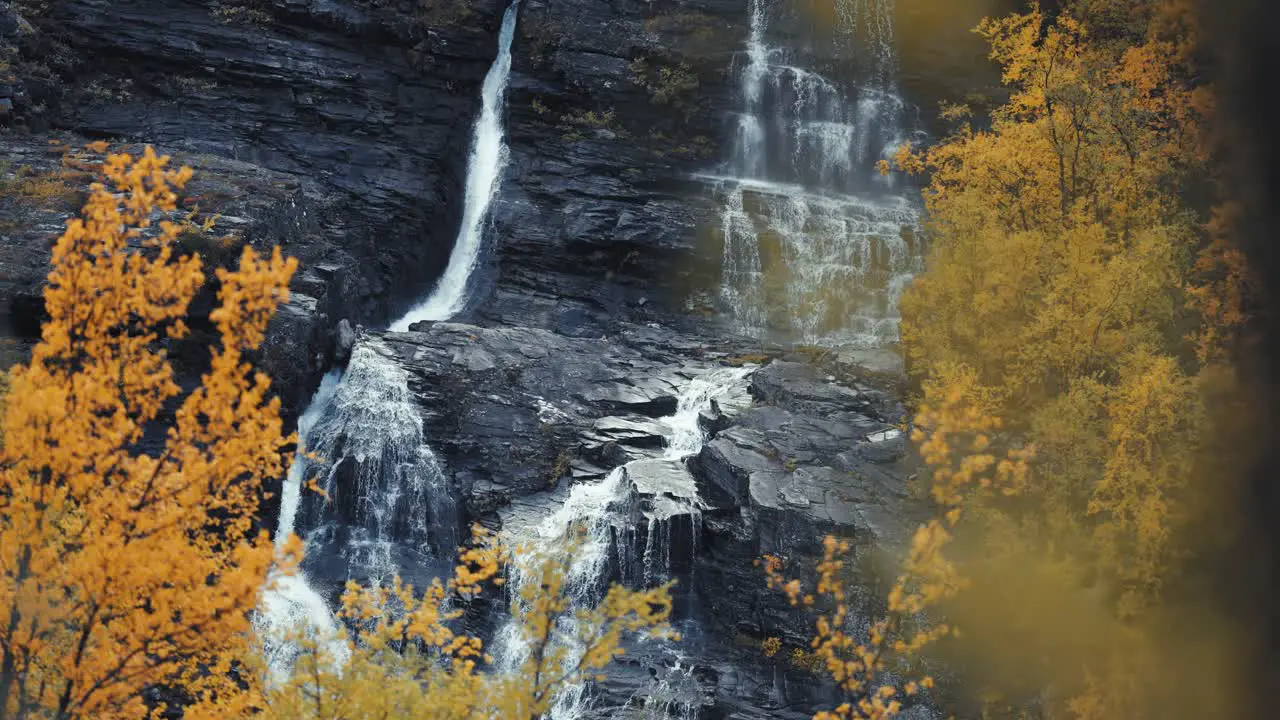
[[674, 85]]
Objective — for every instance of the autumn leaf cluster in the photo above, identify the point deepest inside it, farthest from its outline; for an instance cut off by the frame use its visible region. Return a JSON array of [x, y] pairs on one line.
[[403, 656]]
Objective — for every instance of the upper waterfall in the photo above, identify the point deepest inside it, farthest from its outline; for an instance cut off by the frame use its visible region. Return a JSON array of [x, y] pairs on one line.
[[484, 169], [817, 243]]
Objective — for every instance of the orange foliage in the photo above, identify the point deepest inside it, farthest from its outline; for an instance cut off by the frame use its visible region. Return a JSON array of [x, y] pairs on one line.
[[1222, 288], [405, 659], [1080, 178], [121, 570], [1074, 291]]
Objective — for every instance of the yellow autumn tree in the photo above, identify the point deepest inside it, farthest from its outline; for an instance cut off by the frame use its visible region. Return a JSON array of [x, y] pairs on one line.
[[121, 569], [1073, 291], [1059, 275]]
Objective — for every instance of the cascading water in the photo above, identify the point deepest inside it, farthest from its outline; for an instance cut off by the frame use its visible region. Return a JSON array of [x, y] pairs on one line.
[[601, 513], [387, 500], [866, 26], [291, 603], [817, 244]]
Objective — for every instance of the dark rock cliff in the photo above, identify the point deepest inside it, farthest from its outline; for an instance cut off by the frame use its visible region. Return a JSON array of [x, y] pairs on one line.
[[612, 110], [366, 106], [613, 107]]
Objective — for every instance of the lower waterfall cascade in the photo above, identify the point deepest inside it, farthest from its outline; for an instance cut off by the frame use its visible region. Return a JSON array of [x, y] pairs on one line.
[[600, 511], [291, 603]]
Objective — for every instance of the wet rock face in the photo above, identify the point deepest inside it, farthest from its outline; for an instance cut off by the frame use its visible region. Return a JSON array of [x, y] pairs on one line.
[[600, 218], [811, 458], [368, 104], [514, 411], [519, 415]]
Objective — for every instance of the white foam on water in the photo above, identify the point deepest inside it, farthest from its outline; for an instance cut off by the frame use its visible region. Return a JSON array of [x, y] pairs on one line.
[[484, 170], [598, 513]]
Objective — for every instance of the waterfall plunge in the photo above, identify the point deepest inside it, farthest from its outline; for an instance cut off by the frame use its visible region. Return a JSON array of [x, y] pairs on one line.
[[365, 422], [386, 500], [289, 602], [484, 169], [601, 512], [816, 243]]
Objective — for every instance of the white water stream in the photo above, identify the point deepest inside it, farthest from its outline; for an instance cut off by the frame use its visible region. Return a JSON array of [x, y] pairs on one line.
[[484, 170], [368, 417]]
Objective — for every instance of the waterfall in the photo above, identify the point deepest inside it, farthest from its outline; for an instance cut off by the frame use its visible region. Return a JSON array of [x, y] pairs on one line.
[[484, 168], [387, 501], [385, 498], [291, 603], [601, 514], [292, 492], [816, 243], [867, 28]]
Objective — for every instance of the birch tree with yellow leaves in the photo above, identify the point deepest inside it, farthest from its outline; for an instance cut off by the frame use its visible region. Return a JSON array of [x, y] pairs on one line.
[[120, 570], [1060, 273], [1077, 293]]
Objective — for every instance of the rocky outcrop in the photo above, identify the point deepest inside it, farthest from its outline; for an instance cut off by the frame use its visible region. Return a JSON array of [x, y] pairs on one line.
[[513, 411], [517, 416], [811, 458], [13, 92]]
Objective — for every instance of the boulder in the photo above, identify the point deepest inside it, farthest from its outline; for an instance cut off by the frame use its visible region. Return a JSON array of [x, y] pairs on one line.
[[664, 487]]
